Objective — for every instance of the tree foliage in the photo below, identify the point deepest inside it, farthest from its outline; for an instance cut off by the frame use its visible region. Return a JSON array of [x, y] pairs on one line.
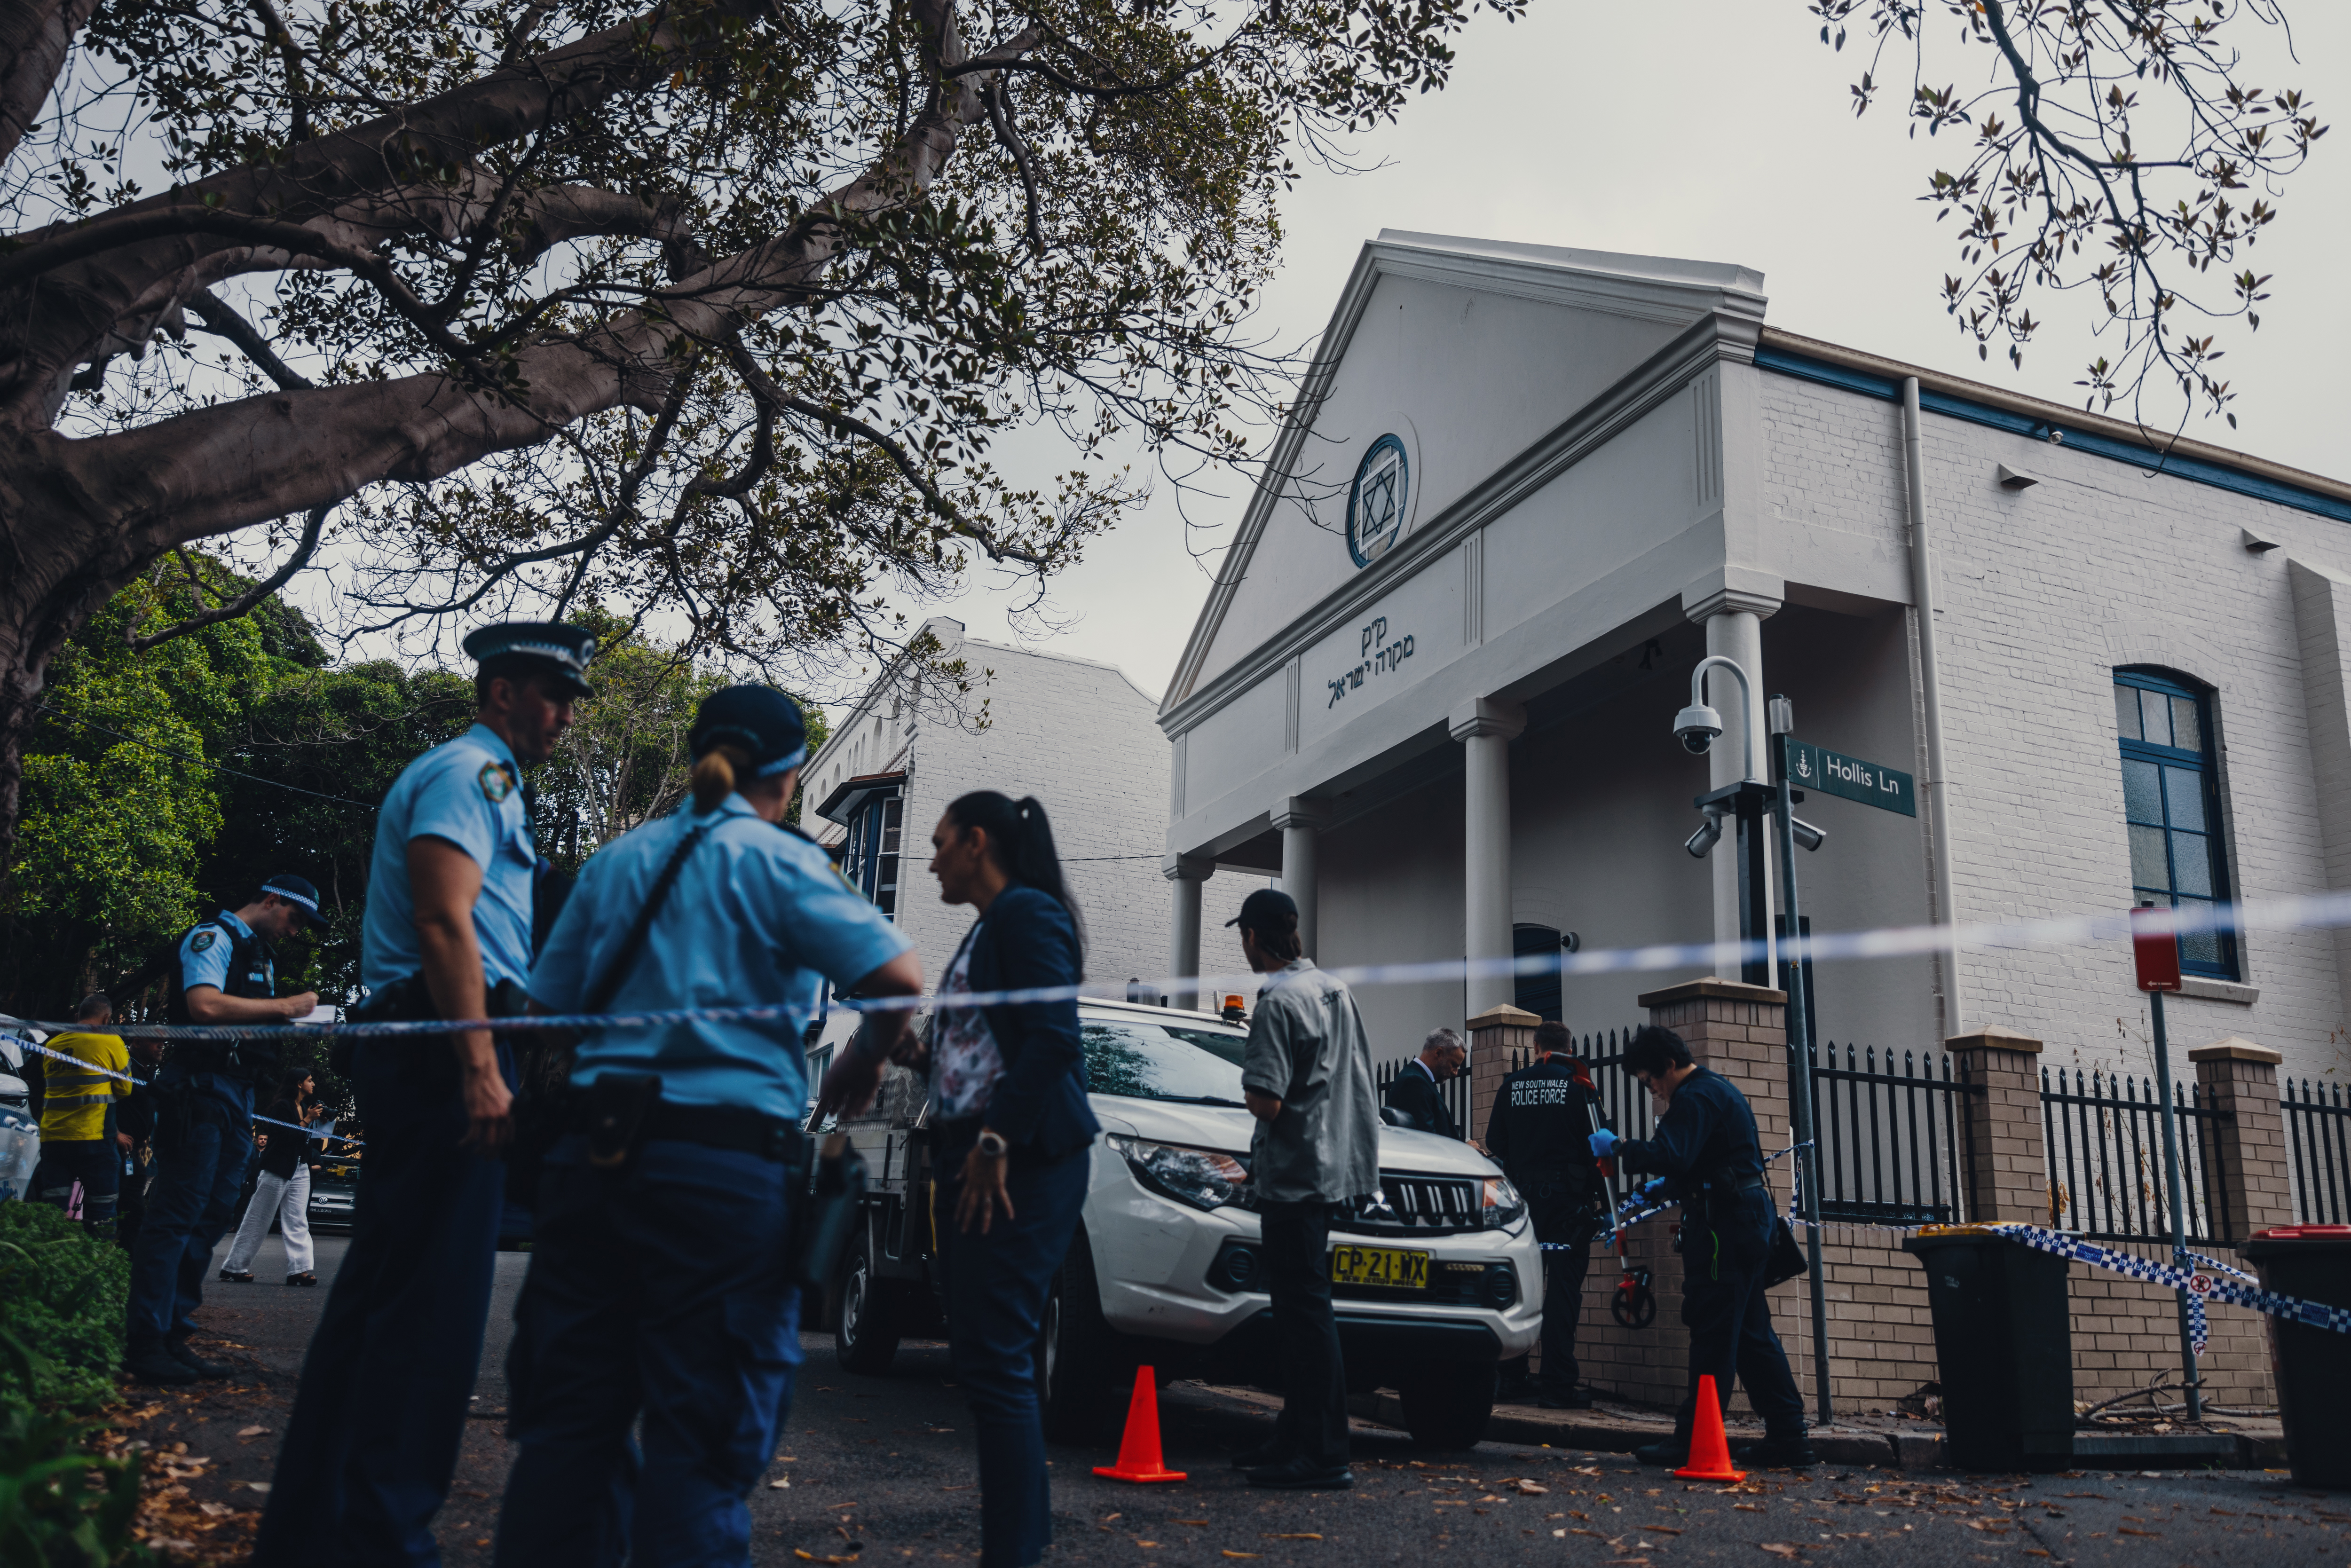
[[2125, 128]]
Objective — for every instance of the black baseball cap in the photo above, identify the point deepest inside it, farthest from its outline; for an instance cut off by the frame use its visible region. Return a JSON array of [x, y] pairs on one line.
[[297, 892], [1267, 909], [762, 720], [549, 645]]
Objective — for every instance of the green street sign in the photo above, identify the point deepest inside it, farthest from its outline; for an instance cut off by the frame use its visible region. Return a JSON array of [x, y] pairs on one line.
[[1833, 773]]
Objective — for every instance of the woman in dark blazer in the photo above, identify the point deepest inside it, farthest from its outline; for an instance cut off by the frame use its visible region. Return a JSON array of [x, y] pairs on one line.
[[1011, 1126]]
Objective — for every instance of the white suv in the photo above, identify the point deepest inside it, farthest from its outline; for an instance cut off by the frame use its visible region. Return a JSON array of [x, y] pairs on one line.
[[1437, 1278]]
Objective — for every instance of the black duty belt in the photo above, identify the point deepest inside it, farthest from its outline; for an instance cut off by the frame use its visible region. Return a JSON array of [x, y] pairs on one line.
[[1744, 1183], [714, 1127]]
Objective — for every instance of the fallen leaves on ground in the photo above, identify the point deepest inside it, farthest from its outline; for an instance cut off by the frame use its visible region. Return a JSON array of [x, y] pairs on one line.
[[1780, 1549]]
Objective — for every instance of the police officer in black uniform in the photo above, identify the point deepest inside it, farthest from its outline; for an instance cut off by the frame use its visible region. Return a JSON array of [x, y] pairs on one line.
[[1540, 1133], [1706, 1156], [223, 972]]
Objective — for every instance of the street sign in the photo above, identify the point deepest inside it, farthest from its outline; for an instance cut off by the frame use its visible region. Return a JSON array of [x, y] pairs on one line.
[[1833, 773], [2155, 951]]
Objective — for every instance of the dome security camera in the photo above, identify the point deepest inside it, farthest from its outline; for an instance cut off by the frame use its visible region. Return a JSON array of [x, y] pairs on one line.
[[1696, 727]]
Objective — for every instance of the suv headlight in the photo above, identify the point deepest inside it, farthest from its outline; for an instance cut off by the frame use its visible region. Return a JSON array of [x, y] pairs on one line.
[[1503, 1207], [1204, 1178]]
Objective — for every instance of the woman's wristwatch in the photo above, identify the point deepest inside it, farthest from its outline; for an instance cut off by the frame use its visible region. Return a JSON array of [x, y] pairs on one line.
[[992, 1144]]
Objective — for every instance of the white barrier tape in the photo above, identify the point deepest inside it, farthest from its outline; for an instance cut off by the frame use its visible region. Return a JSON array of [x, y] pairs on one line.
[[2319, 911], [88, 1066]]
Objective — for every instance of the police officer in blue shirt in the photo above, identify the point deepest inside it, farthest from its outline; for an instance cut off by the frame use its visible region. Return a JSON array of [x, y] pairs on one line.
[[660, 1277], [223, 972], [1704, 1152], [372, 1441]]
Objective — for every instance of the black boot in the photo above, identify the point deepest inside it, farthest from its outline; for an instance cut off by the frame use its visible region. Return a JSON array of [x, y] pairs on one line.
[[154, 1363], [197, 1364], [1777, 1453], [1270, 1452], [1672, 1452], [1563, 1399], [1299, 1473]]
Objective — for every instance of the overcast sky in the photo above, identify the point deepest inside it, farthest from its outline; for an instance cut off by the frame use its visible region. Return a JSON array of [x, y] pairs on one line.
[[1719, 129]]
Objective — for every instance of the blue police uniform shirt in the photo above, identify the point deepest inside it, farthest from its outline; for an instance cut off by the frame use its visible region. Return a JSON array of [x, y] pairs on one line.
[[468, 791], [205, 954], [758, 917]]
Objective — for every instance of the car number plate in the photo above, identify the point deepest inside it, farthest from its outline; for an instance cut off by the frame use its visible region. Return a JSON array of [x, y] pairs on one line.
[[1391, 1266]]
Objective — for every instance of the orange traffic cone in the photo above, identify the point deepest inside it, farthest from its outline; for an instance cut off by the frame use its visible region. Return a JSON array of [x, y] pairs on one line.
[[1709, 1453], [1138, 1451]]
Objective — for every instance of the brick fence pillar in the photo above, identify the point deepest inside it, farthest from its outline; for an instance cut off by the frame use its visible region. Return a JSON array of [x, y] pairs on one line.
[[2008, 1171], [2240, 1080], [1493, 1035], [1740, 1031]]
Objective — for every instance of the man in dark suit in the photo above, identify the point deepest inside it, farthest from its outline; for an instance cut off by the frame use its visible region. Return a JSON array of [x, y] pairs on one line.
[[1413, 1092]]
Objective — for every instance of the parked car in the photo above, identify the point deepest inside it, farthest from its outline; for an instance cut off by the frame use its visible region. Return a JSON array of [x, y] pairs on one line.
[[335, 1189], [1437, 1276]]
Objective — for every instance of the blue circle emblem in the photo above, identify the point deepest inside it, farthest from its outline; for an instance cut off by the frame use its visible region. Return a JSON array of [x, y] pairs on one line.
[[1375, 502]]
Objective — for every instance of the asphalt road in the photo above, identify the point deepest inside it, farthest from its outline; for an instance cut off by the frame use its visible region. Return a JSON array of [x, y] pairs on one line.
[[881, 1469]]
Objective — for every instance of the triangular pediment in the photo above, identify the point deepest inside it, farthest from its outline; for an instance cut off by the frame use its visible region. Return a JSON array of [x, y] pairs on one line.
[[1445, 358]]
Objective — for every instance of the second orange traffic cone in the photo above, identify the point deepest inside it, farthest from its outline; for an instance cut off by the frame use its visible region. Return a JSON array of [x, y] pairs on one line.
[[1710, 1451], [1138, 1450]]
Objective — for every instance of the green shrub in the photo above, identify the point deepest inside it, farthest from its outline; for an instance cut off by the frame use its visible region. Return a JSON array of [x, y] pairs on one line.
[[62, 1298]]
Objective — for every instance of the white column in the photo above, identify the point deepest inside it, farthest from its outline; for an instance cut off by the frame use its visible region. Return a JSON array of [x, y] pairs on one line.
[[1734, 619], [1186, 874], [1300, 821], [1486, 728]]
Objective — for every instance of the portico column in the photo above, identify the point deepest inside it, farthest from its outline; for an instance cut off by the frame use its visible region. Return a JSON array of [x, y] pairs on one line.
[[1186, 874], [1485, 729], [1733, 617], [1300, 821]]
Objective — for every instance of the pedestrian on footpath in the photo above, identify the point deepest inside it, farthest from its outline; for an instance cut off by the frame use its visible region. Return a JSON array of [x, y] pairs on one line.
[[1010, 1126], [372, 1440], [1706, 1154], [77, 1148], [1307, 1078], [224, 972], [660, 1276], [1539, 1133], [283, 1192], [1413, 1092]]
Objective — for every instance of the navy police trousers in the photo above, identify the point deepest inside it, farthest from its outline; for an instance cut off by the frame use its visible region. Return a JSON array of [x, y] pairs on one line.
[[204, 1141], [662, 1291], [373, 1442], [1729, 1320]]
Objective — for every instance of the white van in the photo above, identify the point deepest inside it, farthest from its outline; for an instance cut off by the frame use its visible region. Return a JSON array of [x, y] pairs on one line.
[[1437, 1278]]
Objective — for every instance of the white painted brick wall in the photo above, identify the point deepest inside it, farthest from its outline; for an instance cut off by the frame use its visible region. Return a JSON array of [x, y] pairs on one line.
[[2043, 593]]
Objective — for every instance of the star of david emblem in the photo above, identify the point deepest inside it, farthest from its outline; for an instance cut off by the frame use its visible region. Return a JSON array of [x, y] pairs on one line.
[[1376, 501]]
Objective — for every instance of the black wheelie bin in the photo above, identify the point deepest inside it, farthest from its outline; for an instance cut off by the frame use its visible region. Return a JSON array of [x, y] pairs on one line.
[[2311, 1365], [2003, 1348]]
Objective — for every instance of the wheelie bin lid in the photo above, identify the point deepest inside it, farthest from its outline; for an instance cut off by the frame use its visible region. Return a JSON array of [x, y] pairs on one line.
[[1930, 1237], [2279, 1240]]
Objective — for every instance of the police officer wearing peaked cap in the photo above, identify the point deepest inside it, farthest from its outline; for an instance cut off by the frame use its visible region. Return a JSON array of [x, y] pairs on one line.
[[222, 972], [1540, 1132], [661, 1281], [374, 1438], [1704, 1152]]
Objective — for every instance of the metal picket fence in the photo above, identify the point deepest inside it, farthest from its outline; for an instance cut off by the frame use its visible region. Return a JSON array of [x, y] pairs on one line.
[[1892, 1141], [2105, 1140], [2318, 1136]]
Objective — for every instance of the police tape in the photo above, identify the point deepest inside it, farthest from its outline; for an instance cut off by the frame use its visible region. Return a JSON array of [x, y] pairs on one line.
[[2312, 912], [1627, 1221], [88, 1066]]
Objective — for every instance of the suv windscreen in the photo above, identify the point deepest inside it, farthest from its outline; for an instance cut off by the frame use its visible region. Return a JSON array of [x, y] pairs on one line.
[[1163, 1062]]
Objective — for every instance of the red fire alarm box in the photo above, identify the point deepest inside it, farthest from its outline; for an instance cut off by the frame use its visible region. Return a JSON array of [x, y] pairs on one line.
[[2154, 949]]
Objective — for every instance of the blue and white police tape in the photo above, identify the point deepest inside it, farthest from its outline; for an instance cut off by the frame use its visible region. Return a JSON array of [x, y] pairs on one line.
[[88, 1066], [2317, 910], [1626, 1220]]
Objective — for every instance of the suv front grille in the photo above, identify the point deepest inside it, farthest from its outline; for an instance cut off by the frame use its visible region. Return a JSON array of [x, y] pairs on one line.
[[1416, 1206]]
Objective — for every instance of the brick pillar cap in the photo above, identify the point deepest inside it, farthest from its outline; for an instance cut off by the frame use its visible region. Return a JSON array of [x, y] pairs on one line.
[[1993, 1037], [1710, 988], [1504, 1016], [2236, 1048]]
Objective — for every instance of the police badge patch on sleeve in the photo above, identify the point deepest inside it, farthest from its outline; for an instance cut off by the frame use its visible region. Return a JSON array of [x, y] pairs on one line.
[[201, 940], [498, 781]]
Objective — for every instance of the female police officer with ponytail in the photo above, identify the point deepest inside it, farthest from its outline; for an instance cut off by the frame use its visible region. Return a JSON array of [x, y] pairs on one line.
[[660, 1282]]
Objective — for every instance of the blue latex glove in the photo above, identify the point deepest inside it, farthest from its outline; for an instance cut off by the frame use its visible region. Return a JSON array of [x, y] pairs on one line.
[[1604, 1143], [1653, 1189]]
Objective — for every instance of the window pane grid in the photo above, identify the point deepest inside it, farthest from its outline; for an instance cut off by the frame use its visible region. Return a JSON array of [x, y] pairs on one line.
[[2167, 791]]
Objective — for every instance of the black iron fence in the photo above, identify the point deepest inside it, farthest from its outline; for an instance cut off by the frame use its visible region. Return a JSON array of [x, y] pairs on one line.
[[2318, 1136], [2105, 1140], [1892, 1140]]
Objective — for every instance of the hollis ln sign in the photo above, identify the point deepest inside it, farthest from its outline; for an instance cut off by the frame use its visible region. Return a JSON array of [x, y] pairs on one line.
[[1833, 773]]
